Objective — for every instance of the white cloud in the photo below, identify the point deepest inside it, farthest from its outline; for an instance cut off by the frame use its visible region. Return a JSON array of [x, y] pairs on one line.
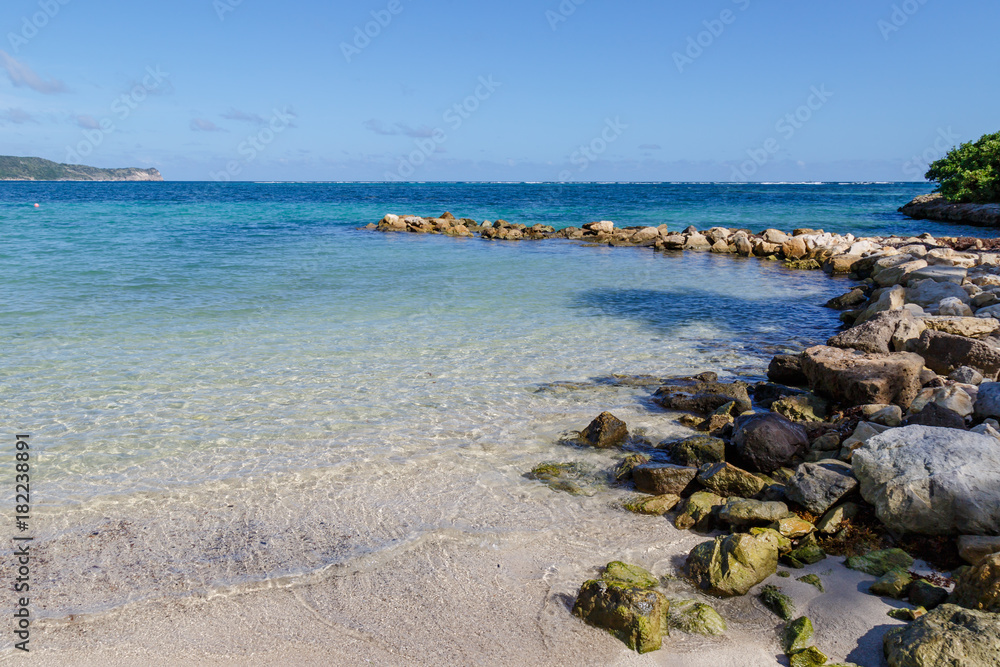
[[22, 75]]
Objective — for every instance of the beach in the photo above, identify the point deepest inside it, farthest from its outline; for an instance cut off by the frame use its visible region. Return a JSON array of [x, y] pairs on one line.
[[266, 435]]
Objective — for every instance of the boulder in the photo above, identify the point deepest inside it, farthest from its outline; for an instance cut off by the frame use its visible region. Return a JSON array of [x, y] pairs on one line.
[[929, 293], [699, 512], [604, 226], [786, 369], [605, 432], [942, 274], [733, 564], [727, 480], [954, 307], [987, 403], [834, 519], [974, 548], [927, 595], [892, 584], [797, 635], [857, 378], [819, 486], [875, 335], [933, 414], [877, 563], [848, 300], [662, 478], [696, 450], [768, 441], [932, 481], [703, 397], [966, 375], [952, 398], [891, 298], [898, 274], [979, 586], [944, 353], [636, 615], [947, 636], [743, 513]]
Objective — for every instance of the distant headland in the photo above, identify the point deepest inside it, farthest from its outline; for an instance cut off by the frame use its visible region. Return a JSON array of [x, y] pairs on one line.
[[36, 169]]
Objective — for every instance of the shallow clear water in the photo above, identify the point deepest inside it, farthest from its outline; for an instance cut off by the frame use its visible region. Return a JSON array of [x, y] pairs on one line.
[[228, 385]]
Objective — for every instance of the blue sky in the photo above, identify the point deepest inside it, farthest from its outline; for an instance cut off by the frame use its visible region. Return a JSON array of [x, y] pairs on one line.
[[521, 90]]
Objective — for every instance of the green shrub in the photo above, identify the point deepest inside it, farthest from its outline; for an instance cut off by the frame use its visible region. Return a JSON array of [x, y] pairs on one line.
[[971, 172]]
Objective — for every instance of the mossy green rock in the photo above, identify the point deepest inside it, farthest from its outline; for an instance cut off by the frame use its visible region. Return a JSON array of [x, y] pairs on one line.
[[878, 563], [695, 617], [560, 476], [623, 471], [728, 480], [742, 513], [809, 554], [653, 505], [633, 575], [802, 408], [946, 637], [905, 614], [637, 616], [696, 451], [892, 584], [797, 635], [778, 602], [699, 512], [812, 580], [803, 265], [809, 657], [733, 564], [784, 544]]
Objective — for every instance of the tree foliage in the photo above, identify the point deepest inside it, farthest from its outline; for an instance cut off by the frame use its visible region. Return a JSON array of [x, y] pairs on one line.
[[970, 173]]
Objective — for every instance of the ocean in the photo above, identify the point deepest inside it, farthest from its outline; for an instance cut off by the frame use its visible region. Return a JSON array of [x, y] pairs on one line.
[[230, 386]]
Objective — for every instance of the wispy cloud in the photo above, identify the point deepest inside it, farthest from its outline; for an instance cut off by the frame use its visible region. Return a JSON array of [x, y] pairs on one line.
[[17, 116], [379, 127], [87, 122], [203, 125], [22, 75], [236, 114], [650, 147]]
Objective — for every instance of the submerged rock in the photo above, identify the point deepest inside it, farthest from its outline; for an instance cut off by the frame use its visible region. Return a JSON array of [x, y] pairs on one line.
[[932, 481], [703, 397], [947, 636], [637, 616], [653, 505], [733, 564], [695, 617]]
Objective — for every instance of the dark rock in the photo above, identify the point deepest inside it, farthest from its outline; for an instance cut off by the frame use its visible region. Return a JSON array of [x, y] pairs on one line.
[[768, 441], [936, 415], [860, 379], [944, 353], [819, 486], [927, 595], [843, 302], [703, 397], [766, 393], [623, 471], [605, 432], [966, 375], [662, 478], [786, 369], [778, 602]]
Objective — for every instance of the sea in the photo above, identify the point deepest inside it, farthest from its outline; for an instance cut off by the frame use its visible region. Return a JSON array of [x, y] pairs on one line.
[[229, 386]]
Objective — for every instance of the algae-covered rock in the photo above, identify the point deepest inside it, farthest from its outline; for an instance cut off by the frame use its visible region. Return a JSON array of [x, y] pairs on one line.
[[661, 478], [812, 580], [809, 657], [637, 616], [877, 563], [696, 450], [806, 554], [606, 431], [906, 614], [927, 595], [698, 512], [803, 265], [892, 584], [653, 505], [797, 635], [948, 636], [564, 477], [778, 602], [623, 471], [733, 564], [728, 480], [741, 513], [784, 544], [802, 408], [695, 617], [633, 575], [979, 586]]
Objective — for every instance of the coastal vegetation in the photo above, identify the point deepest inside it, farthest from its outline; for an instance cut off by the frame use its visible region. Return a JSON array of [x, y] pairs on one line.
[[970, 173], [36, 169]]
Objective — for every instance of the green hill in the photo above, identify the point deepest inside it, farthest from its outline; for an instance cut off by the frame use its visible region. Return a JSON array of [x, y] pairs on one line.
[[37, 169]]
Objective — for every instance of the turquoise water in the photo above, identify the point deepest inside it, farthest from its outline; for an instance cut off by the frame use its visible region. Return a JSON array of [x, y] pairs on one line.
[[180, 352]]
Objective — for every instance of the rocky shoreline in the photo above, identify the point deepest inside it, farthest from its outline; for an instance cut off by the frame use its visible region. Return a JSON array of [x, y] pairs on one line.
[[935, 207], [880, 445]]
